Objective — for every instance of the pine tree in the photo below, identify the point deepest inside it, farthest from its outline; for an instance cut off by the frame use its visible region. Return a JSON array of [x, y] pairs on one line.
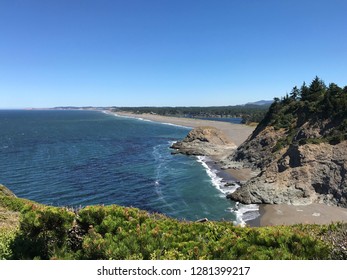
[[304, 92], [317, 89], [295, 93]]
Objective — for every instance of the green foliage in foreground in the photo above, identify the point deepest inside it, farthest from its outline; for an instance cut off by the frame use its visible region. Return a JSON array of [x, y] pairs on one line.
[[6, 239], [114, 232]]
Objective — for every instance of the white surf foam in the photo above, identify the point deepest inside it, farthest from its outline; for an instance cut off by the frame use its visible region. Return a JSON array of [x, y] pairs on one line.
[[128, 117], [243, 212], [176, 125], [145, 120], [216, 181]]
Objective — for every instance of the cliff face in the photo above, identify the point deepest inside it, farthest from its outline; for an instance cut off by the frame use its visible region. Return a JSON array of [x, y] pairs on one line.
[[299, 150], [256, 151], [207, 141], [301, 175]]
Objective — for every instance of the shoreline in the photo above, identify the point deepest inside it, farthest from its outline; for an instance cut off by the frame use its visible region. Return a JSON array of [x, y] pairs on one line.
[[238, 133], [213, 163], [270, 214], [221, 181]]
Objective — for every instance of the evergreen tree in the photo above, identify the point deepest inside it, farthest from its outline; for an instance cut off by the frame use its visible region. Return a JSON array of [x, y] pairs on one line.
[[304, 92], [316, 90], [295, 93], [334, 89]]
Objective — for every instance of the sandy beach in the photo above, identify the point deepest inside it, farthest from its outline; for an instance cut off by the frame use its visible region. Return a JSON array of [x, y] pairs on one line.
[[270, 215], [238, 133], [307, 214]]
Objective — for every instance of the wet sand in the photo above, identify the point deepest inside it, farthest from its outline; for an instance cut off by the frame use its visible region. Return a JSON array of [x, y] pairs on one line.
[[270, 215], [241, 175], [315, 213]]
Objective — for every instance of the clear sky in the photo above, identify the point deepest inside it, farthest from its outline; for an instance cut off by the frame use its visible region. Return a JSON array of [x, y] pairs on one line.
[[166, 52]]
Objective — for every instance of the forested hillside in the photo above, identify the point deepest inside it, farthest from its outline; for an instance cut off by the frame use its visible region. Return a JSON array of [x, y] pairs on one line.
[[301, 149], [310, 114], [248, 113]]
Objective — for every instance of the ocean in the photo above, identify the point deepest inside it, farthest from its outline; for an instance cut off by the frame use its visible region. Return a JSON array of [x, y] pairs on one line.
[[78, 158]]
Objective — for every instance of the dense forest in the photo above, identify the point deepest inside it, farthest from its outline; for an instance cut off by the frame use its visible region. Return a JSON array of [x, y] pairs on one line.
[[310, 114], [248, 113]]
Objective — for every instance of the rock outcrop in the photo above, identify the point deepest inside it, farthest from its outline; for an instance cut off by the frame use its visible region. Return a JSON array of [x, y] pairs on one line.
[[298, 152], [299, 149], [256, 152], [207, 141], [301, 175]]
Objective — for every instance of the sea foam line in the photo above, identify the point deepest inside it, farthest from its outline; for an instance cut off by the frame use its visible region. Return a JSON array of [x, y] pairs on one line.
[[127, 117], [216, 181], [145, 120], [177, 125], [243, 212]]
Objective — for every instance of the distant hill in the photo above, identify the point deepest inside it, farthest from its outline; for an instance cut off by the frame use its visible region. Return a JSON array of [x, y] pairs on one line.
[[260, 103]]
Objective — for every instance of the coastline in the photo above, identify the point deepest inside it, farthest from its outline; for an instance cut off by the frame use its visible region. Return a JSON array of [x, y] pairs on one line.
[[270, 214], [238, 133], [220, 176]]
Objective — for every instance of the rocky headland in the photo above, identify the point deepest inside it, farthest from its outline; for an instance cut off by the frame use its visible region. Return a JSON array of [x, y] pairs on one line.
[[298, 153], [298, 175], [205, 141], [299, 150]]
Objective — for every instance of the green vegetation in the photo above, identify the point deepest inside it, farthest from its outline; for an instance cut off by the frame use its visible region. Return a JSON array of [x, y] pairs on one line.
[[310, 114], [6, 238], [114, 232], [249, 112]]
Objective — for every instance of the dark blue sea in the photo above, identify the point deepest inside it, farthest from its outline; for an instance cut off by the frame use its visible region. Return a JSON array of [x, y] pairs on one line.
[[78, 158]]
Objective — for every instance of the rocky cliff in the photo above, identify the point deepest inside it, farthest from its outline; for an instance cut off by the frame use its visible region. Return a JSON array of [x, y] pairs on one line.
[[300, 175], [207, 141], [299, 150]]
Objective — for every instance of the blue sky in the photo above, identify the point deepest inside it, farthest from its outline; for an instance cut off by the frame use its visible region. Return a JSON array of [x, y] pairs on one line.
[[166, 52]]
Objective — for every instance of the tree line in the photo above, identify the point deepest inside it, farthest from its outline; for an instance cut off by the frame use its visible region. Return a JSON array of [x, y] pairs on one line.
[[317, 105], [248, 112]]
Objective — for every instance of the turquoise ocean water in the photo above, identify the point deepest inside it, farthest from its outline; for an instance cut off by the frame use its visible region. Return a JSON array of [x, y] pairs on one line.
[[78, 158]]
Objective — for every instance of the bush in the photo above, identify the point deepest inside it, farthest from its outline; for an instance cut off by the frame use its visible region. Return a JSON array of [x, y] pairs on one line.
[[43, 230], [115, 232], [6, 239], [127, 233]]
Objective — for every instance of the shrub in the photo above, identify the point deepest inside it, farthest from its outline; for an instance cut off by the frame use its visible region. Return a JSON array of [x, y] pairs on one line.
[[43, 230], [6, 238], [115, 232]]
